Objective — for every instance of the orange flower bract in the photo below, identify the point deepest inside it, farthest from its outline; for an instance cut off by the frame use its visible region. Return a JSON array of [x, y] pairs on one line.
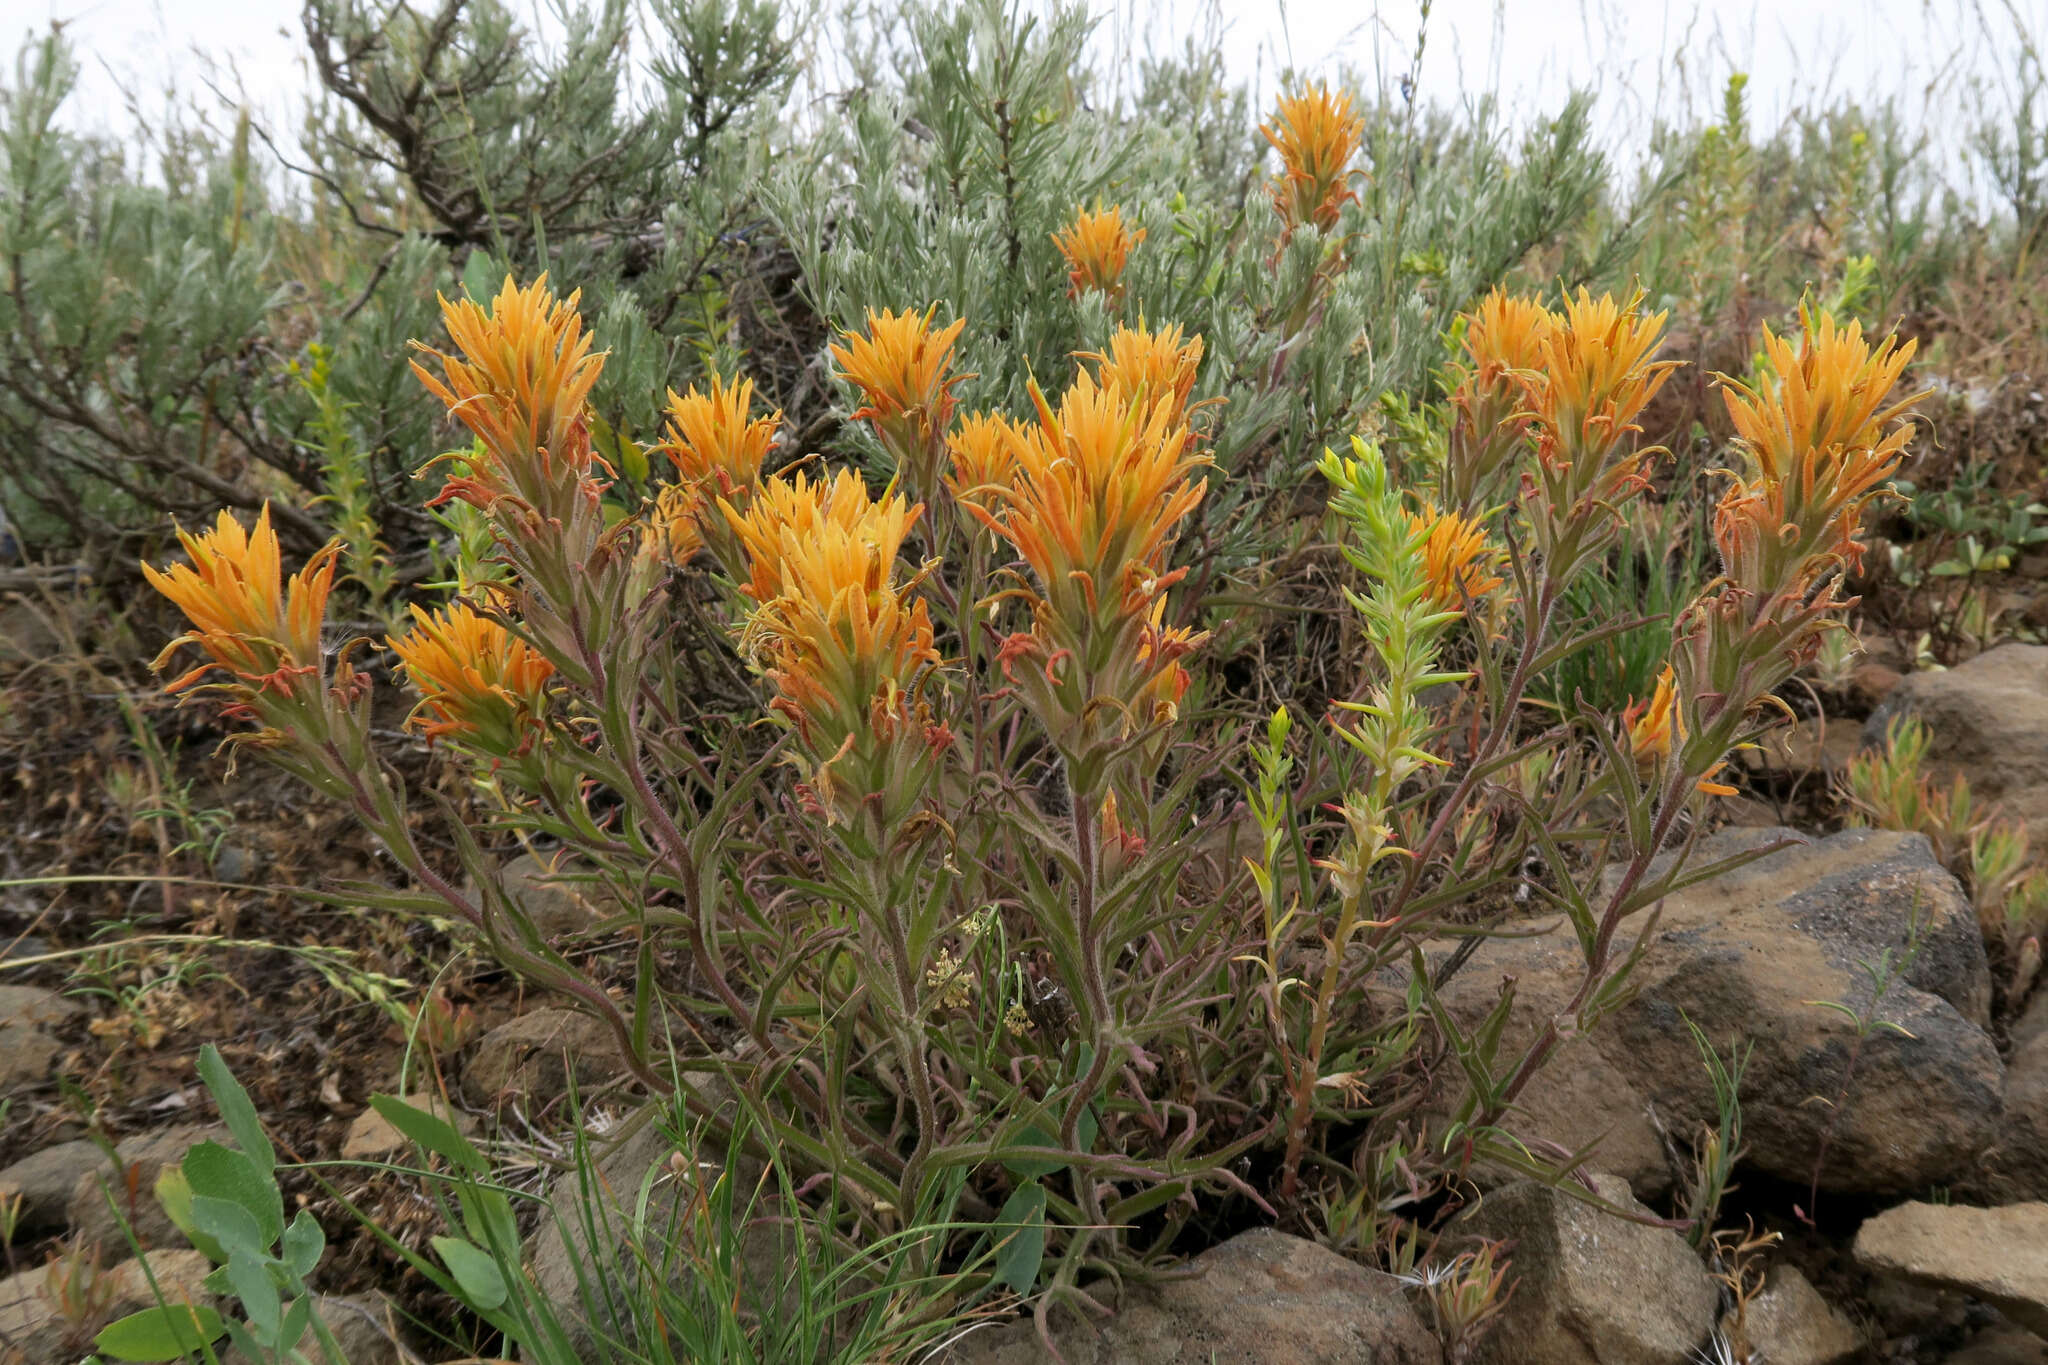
[[1656, 729], [1653, 726], [1101, 485], [848, 647], [478, 681], [902, 369], [1595, 374], [1504, 336], [244, 615], [1096, 247], [1457, 560], [1158, 366], [717, 447], [1316, 133], [714, 438], [1823, 439], [520, 383], [984, 456]]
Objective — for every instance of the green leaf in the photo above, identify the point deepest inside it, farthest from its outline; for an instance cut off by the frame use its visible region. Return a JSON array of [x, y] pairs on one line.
[[236, 1111], [488, 1218], [1031, 1135], [475, 1272], [297, 1318], [230, 1224], [480, 276], [1019, 1256], [258, 1293], [435, 1135], [304, 1244], [174, 1194], [218, 1172], [166, 1332]]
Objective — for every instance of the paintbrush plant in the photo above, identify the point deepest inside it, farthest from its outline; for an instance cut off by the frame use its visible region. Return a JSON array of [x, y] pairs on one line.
[[921, 847]]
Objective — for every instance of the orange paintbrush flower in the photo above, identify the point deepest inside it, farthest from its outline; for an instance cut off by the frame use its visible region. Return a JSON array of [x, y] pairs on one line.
[[713, 439], [903, 369], [984, 456], [1457, 560], [1096, 246], [848, 647], [1316, 133], [1504, 336], [1823, 438], [1490, 395], [1101, 487], [1595, 374], [1160, 649], [1654, 726], [478, 682], [1160, 366], [247, 619], [793, 512], [677, 522], [717, 448], [520, 383], [1656, 729], [1102, 484]]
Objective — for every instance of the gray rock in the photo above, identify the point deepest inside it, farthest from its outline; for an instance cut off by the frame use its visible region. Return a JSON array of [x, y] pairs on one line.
[[44, 1183], [560, 899], [2002, 1345], [34, 1326], [365, 1327], [236, 863], [29, 1018], [1745, 957], [131, 1185], [13, 950], [1789, 1323], [1261, 1298], [1591, 1288], [1988, 719], [1998, 1255], [534, 1057], [174, 1276], [2020, 1157]]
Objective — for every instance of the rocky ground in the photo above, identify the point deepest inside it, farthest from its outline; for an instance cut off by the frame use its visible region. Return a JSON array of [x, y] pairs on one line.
[[1897, 1147]]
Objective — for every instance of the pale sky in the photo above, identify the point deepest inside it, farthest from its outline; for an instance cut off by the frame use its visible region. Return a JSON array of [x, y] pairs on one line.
[[1647, 57]]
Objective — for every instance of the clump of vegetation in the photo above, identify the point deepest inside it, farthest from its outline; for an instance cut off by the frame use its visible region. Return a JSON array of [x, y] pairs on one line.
[[1028, 608], [977, 938]]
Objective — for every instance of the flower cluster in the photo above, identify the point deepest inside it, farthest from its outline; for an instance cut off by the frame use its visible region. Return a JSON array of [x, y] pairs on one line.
[[717, 447], [1822, 441], [1822, 437], [1575, 382], [1096, 246], [847, 644], [260, 630], [1457, 559], [479, 684], [1316, 133], [1157, 368], [521, 385], [903, 369], [1502, 344], [983, 458], [1100, 486]]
